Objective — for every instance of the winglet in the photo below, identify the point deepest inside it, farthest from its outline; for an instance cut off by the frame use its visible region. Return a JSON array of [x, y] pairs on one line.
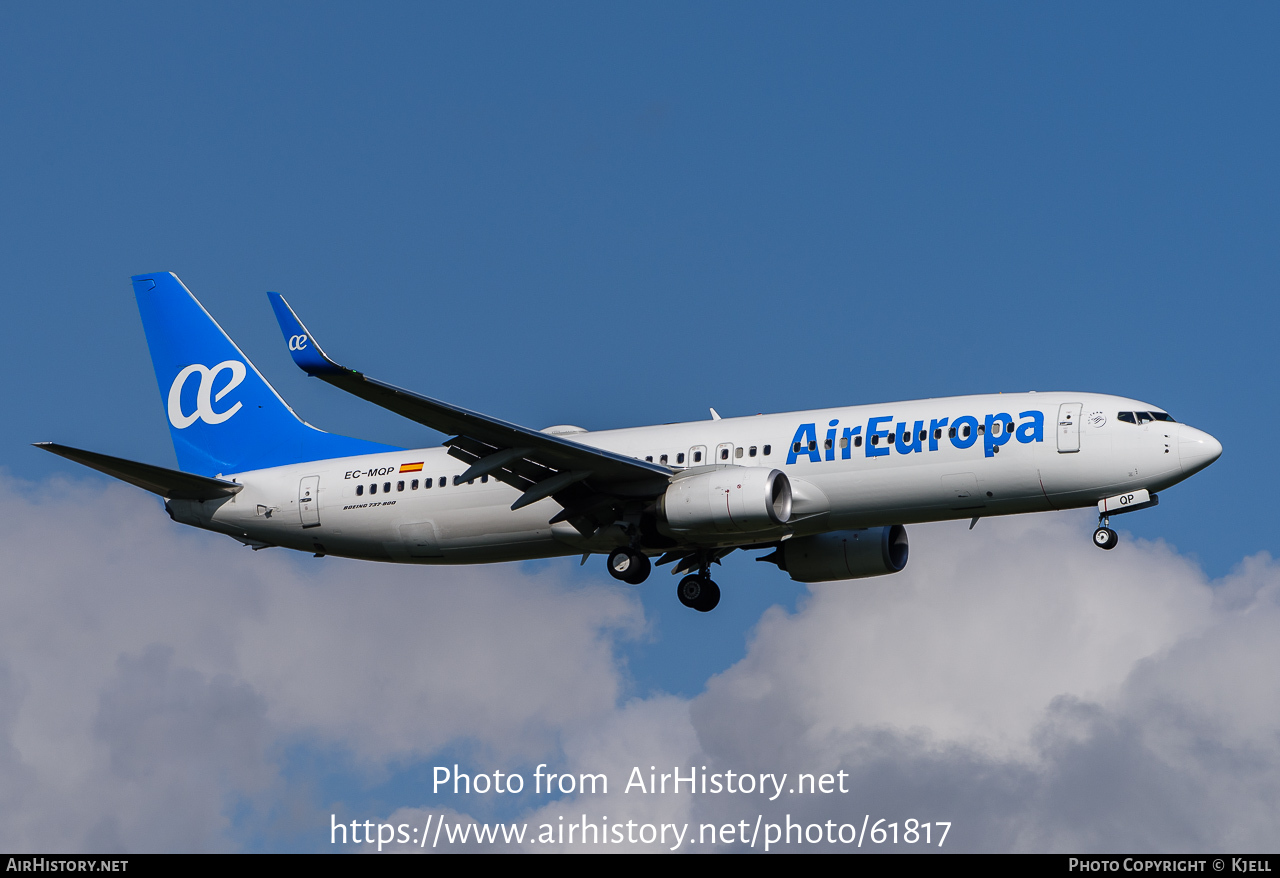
[[303, 347]]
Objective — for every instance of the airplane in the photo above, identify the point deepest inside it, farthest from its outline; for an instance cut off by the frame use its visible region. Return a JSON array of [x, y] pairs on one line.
[[826, 493]]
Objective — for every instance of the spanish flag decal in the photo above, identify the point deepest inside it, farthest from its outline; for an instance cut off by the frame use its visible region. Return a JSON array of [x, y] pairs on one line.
[[411, 467]]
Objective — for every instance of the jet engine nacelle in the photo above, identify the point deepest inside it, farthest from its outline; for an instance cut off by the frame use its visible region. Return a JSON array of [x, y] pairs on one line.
[[843, 554], [727, 500]]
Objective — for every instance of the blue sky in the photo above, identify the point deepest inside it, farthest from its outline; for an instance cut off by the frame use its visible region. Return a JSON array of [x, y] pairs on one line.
[[611, 215]]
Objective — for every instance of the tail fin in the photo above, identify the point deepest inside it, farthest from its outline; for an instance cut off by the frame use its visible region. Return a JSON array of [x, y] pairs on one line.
[[223, 415]]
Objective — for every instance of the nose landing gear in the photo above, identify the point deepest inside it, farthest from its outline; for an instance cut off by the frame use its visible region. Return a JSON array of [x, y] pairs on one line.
[[1104, 537]]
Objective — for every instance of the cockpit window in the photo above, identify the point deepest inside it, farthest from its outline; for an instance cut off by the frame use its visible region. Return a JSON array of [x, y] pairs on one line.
[[1144, 417]]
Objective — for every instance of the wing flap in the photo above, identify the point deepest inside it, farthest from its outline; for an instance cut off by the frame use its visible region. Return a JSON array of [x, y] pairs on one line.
[[475, 435]]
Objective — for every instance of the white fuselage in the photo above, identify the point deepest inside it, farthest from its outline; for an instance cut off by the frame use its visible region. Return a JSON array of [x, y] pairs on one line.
[[1066, 450]]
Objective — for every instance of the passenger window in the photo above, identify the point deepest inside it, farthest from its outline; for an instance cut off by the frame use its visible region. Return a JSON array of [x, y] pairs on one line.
[[826, 443], [662, 459], [951, 433], [373, 489], [724, 453], [752, 452], [937, 434], [386, 487], [738, 451], [767, 449], [1008, 427], [484, 479], [857, 441], [924, 434], [813, 444], [875, 438], [442, 481], [982, 428], [359, 490], [680, 457], [796, 448], [399, 486], [1127, 417], [456, 481], [967, 431], [649, 459], [697, 457], [844, 441], [413, 486], [426, 483]]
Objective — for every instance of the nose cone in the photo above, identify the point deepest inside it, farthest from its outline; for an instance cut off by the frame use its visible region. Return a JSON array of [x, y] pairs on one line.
[[1196, 449]]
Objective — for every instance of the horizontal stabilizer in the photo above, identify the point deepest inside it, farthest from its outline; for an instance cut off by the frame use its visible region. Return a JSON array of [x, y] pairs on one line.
[[168, 483]]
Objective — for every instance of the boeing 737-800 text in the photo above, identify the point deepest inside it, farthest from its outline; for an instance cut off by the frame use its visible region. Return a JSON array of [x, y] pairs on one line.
[[827, 491]]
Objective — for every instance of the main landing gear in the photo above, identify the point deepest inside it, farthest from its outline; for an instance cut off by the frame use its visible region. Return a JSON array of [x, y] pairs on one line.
[[695, 591], [629, 566], [1104, 537], [698, 592]]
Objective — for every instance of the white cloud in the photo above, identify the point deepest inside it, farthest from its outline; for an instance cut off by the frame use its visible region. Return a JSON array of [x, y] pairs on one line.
[[1035, 692], [151, 673], [1040, 694], [974, 639]]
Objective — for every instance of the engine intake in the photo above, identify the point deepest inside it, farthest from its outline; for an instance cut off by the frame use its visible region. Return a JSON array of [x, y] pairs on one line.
[[843, 554], [727, 500]]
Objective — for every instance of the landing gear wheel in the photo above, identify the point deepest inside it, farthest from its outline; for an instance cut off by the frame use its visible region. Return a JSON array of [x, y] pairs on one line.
[[628, 565], [698, 593], [1105, 538]]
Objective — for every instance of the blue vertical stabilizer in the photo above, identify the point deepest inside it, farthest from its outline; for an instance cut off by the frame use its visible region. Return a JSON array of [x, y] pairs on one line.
[[223, 415]]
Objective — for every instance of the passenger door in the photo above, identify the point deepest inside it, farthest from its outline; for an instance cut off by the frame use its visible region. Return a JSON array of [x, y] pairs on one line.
[[1069, 427], [309, 501]]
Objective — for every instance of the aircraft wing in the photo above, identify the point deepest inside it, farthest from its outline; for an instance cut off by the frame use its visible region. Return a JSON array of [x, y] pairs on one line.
[[168, 483], [582, 479]]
